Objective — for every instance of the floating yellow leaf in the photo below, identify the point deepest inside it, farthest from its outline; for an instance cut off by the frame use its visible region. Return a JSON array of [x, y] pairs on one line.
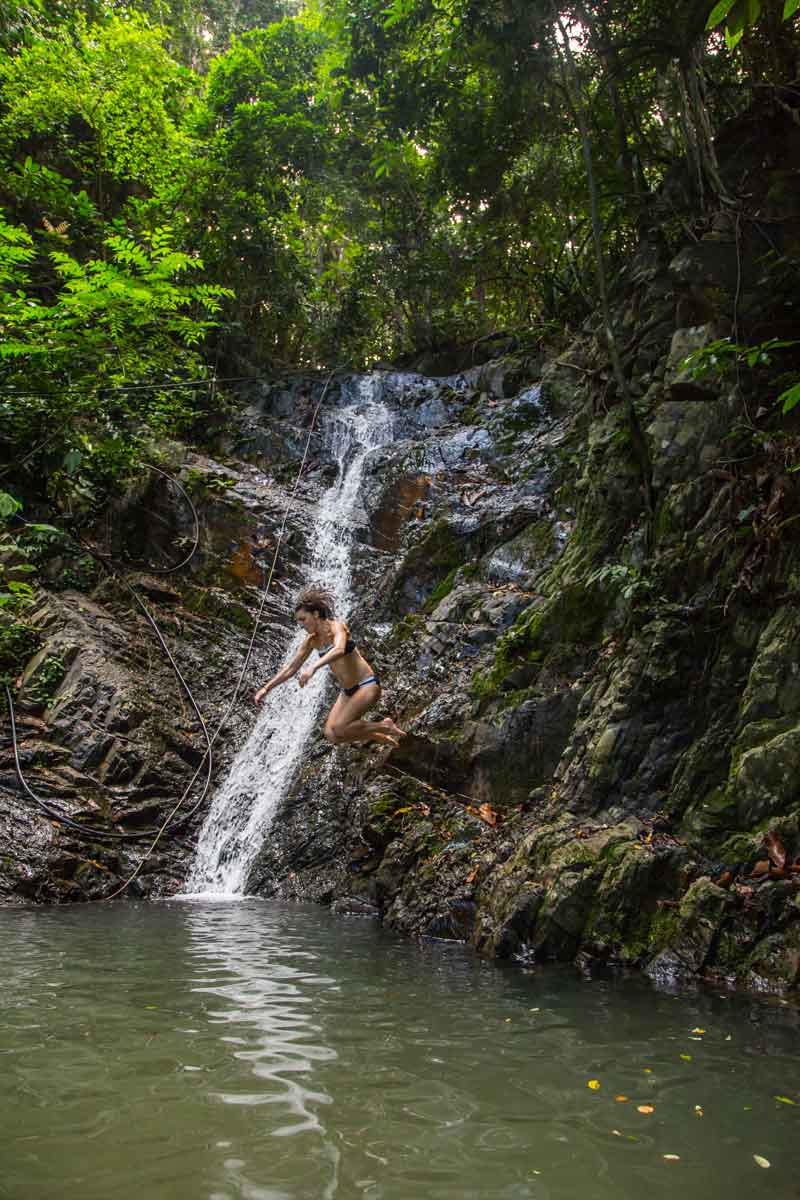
[[698, 1111], [645, 1108], [594, 1084], [762, 1162], [616, 1133], [672, 1157], [785, 1100], [648, 1070], [686, 1057], [698, 1031], [621, 1099]]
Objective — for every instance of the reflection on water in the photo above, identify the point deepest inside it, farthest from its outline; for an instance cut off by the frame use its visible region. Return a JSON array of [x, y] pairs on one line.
[[273, 1052]]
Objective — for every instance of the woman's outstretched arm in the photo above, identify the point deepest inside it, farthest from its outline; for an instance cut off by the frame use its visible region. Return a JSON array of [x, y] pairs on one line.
[[288, 671]]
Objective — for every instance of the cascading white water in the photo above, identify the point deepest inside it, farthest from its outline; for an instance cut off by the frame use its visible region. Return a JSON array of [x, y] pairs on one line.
[[244, 805]]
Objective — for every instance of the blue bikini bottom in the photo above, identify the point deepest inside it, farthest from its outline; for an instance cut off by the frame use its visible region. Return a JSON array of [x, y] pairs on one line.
[[370, 679]]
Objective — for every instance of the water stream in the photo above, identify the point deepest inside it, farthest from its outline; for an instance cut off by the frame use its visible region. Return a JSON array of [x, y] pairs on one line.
[[243, 806]]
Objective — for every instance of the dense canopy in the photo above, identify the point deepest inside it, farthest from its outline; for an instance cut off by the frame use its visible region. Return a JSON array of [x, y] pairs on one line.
[[190, 188]]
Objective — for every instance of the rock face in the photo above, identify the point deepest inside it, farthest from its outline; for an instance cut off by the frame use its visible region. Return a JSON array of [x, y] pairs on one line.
[[602, 701], [108, 735]]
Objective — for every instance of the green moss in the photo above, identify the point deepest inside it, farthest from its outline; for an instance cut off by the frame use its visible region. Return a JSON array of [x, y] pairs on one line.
[[541, 633], [18, 642], [219, 606], [713, 814], [408, 627], [441, 590], [441, 547], [45, 680]]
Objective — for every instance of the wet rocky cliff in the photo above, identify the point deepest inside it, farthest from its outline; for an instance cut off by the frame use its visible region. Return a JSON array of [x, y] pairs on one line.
[[583, 607]]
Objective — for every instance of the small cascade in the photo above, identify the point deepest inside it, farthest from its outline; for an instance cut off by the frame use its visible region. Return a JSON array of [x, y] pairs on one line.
[[245, 803]]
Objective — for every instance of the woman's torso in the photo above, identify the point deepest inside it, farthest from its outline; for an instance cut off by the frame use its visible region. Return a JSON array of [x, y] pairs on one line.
[[352, 667]]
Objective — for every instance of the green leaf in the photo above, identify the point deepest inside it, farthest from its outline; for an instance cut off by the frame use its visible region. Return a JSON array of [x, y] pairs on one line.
[[790, 398], [720, 11], [790, 8], [8, 504]]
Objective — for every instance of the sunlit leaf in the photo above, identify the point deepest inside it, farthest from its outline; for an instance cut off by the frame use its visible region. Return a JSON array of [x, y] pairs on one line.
[[686, 1057], [594, 1084], [672, 1157], [698, 1031], [761, 1161], [645, 1108], [621, 1099], [785, 1100]]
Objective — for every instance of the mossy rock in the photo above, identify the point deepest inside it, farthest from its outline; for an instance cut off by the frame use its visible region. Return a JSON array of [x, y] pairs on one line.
[[765, 769], [541, 634], [712, 816]]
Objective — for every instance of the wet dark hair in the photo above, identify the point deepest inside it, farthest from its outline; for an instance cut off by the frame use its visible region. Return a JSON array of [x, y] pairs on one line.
[[317, 601]]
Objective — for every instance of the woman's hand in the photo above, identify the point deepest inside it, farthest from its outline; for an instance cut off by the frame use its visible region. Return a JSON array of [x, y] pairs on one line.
[[305, 676], [260, 694]]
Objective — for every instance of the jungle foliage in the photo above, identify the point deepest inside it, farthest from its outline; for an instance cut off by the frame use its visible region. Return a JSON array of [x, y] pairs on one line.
[[196, 186]]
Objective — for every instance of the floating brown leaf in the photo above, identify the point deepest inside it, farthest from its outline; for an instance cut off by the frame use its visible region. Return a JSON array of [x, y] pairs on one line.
[[645, 1108]]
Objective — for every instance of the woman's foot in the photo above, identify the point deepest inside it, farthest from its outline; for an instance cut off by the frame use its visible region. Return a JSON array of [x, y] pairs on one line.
[[394, 730], [386, 739]]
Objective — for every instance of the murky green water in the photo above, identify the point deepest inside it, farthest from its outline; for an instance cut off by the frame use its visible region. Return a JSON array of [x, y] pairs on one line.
[[204, 1052]]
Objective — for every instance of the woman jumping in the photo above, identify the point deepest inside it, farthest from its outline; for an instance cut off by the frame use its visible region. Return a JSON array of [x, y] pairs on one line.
[[337, 650]]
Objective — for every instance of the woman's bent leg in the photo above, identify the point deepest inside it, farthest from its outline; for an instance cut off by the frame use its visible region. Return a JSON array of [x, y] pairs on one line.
[[344, 725]]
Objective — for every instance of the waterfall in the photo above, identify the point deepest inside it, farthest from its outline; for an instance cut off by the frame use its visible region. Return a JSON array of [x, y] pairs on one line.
[[244, 805]]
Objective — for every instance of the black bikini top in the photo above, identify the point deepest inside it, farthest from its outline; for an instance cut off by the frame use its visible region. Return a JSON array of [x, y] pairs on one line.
[[349, 648]]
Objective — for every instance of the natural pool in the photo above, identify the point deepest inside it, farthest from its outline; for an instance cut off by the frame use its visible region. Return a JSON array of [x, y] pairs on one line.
[[206, 1051]]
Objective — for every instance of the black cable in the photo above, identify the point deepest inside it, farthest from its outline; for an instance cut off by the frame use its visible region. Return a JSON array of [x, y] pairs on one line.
[[48, 809]]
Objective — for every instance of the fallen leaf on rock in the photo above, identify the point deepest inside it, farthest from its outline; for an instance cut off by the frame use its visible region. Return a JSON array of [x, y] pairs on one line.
[[471, 877], [761, 868], [645, 1108], [487, 814], [775, 849], [762, 1162], [594, 1084]]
